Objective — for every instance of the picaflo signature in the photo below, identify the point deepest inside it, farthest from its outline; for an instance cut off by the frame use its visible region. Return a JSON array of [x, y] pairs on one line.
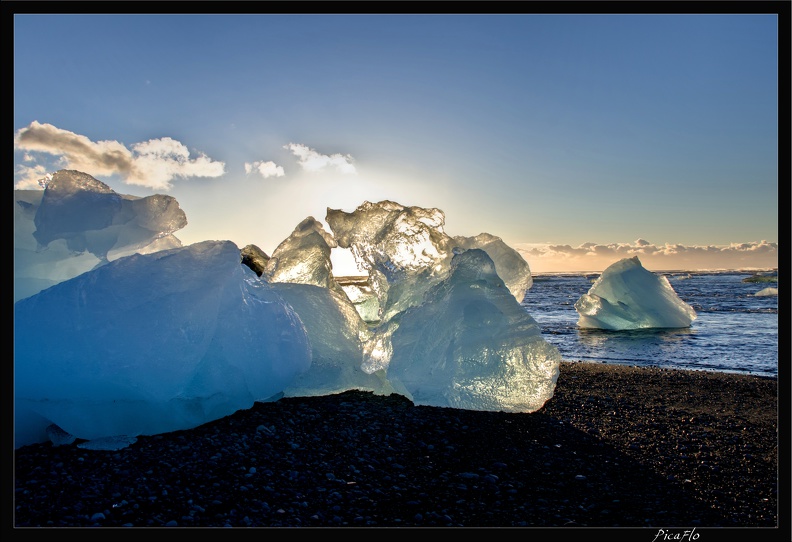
[[677, 536]]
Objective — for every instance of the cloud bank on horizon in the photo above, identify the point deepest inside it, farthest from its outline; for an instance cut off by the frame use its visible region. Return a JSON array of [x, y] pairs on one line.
[[596, 257]]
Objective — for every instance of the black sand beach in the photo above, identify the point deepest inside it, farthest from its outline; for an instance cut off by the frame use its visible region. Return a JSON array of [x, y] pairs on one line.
[[617, 446]]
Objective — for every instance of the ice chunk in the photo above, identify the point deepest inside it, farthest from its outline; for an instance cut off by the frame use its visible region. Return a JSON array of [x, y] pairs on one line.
[[78, 223], [627, 296], [403, 249], [304, 257], [337, 334], [75, 203], [408, 255], [509, 264], [472, 346], [58, 436], [766, 292], [153, 343], [362, 296], [36, 267]]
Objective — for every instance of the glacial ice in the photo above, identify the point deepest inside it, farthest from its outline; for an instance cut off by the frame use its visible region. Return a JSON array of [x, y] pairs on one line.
[[766, 292], [304, 257], [78, 223], [362, 297], [337, 335], [300, 270], [152, 343], [58, 436], [627, 296], [129, 340], [510, 266], [472, 346], [405, 251]]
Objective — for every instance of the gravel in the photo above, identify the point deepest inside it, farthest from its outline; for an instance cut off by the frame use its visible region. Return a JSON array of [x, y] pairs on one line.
[[616, 446]]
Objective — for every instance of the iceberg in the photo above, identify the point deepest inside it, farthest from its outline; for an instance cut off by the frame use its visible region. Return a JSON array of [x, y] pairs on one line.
[[627, 296], [78, 223], [134, 337], [152, 343]]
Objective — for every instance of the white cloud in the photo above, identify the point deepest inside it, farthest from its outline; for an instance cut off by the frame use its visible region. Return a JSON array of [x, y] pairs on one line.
[[29, 177], [596, 257], [265, 169], [310, 160], [154, 163]]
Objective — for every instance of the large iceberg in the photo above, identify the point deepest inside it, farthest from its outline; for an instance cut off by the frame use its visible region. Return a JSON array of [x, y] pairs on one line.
[[628, 296], [152, 343], [134, 343], [78, 223], [450, 329]]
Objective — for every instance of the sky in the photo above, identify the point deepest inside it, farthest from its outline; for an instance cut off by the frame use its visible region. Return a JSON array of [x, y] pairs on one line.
[[579, 139]]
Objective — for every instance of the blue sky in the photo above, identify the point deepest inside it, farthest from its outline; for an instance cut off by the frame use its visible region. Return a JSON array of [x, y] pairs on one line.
[[578, 139]]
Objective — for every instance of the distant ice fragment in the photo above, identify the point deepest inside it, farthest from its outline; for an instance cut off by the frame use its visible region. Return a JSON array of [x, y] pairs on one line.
[[152, 343], [627, 296], [766, 292]]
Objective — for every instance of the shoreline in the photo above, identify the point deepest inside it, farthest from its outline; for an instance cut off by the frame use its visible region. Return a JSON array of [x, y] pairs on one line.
[[616, 446]]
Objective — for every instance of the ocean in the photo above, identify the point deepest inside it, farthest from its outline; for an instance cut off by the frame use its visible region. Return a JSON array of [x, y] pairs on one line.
[[735, 331]]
